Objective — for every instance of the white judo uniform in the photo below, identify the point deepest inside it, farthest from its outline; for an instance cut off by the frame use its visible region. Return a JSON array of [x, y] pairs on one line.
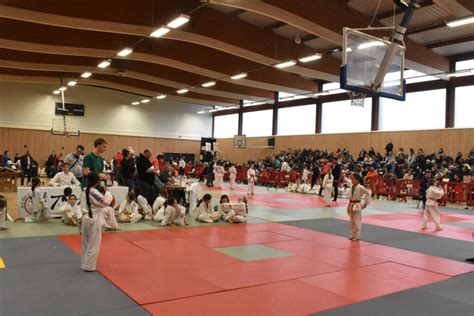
[[63, 179], [128, 212], [159, 209], [237, 212], [305, 176], [327, 185], [174, 216], [92, 226], [71, 214], [431, 209], [251, 177], [144, 207], [3, 218], [205, 213], [219, 176], [39, 212], [232, 177], [358, 200]]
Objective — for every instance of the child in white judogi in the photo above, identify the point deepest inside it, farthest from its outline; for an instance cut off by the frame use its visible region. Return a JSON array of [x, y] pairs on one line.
[[159, 206], [238, 211], [39, 210], [251, 177], [204, 212], [291, 186], [232, 176], [96, 208], [3, 213], [174, 213], [327, 185], [72, 213], [433, 194], [144, 208], [224, 207], [128, 211], [219, 176], [305, 176], [358, 200]]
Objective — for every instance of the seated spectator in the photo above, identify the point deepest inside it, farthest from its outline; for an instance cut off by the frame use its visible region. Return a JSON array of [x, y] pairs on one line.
[[64, 178]]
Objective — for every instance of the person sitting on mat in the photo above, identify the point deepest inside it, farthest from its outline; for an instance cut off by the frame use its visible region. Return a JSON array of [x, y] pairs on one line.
[[159, 206], [175, 214], [205, 212], [238, 211], [128, 211], [224, 207], [72, 213]]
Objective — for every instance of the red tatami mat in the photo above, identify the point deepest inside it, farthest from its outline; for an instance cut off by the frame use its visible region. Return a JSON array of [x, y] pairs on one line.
[[283, 298], [322, 238], [241, 238]]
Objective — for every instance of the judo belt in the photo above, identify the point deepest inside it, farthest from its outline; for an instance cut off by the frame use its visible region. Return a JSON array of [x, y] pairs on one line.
[[351, 204], [353, 201]]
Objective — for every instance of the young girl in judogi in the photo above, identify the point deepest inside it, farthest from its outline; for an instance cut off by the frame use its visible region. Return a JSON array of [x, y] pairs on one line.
[[95, 208], [291, 186], [174, 213], [224, 207], [159, 206], [3, 213], [358, 200], [433, 194], [205, 212], [251, 178], [304, 187], [327, 185], [144, 209], [39, 210], [305, 175], [238, 211], [232, 176], [72, 213], [219, 175], [128, 211]]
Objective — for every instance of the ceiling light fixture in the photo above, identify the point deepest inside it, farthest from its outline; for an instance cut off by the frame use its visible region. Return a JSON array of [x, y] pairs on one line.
[[209, 84], [239, 76], [161, 97], [105, 63], [310, 58], [160, 32], [145, 101], [286, 64], [135, 103], [182, 91], [72, 83], [461, 21], [125, 52], [63, 89], [201, 112], [180, 20], [56, 92], [86, 74], [213, 110]]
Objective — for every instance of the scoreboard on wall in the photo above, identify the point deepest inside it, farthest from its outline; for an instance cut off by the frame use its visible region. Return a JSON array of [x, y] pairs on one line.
[[71, 109]]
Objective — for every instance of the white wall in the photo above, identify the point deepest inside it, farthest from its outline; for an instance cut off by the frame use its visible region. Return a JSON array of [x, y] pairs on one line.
[[31, 106]]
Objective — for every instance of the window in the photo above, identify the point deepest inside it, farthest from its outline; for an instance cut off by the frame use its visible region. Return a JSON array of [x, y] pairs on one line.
[[297, 120], [258, 123], [420, 110], [412, 76], [226, 126], [342, 117], [465, 64], [464, 107]]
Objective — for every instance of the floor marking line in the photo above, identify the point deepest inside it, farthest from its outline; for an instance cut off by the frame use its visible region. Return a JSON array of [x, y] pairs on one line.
[[2, 264]]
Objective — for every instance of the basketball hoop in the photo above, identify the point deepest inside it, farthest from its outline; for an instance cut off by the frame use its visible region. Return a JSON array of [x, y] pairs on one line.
[[357, 98]]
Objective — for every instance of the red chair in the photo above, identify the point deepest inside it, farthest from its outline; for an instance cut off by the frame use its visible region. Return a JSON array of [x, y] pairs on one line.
[[241, 175], [283, 179]]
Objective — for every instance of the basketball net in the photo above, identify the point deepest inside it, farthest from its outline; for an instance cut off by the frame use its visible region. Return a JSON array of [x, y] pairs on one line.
[[357, 98]]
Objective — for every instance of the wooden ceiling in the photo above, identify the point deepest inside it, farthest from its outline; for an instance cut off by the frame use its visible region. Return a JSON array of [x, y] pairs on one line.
[[40, 41]]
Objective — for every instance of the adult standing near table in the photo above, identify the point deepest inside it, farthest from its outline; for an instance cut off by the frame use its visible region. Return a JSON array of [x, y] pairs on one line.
[[146, 176], [127, 170], [94, 162], [26, 162], [75, 160]]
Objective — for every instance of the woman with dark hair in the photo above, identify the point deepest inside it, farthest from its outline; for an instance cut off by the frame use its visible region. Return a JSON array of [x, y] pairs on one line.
[[204, 210], [95, 209]]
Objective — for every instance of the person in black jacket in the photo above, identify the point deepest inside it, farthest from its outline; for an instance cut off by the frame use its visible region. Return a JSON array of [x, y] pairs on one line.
[[389, 148], [146, 176], [26, 162], [336, 172], [127, 170], [315, 174]]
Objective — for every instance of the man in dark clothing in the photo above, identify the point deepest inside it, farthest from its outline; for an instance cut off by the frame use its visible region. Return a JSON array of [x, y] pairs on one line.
[[127, 170], [389, 148], [146, 176], [26, 162], [336, 173], [315, 174]]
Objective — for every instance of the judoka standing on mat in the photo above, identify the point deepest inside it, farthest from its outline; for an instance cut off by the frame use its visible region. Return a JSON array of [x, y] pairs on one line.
[[358, 198], [96, 207], [433, 194]]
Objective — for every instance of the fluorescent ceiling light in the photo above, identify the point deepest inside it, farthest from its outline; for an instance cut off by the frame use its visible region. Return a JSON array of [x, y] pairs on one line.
[[105, 63], [201, 112], [370, 44], [86, 74], [208, 84], [56, 92], [310, 58], [319, 94], [180, 20], [213, 110], [160, 32], [145, 101], [62, 89], [161, 97], [72, 83], [461, 73], [135, 103], [125, 52], [462, 21], [182, 91], [286, 64], [239, 76]]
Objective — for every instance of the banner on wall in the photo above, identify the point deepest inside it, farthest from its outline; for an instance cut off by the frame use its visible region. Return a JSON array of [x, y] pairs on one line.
[[52, 197]]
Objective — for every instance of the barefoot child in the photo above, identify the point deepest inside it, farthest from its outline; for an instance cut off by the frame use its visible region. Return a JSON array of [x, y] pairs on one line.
[[358, 198], [433, 194], [205, 212], [128, 212]]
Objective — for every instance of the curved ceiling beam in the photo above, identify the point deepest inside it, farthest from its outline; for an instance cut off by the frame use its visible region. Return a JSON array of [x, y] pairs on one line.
[[130, 74], [110, 85], [330, 73], [273, 81]]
